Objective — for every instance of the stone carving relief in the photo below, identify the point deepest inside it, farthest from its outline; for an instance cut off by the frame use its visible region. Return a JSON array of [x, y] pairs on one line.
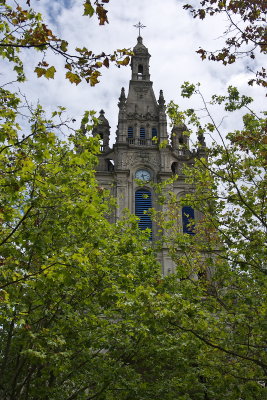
[[129, 160], [142, 117]]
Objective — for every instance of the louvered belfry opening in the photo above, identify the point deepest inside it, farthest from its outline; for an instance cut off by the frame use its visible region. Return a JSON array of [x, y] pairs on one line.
[[188, 216], [130, 132], [142, 133], [143, 202]]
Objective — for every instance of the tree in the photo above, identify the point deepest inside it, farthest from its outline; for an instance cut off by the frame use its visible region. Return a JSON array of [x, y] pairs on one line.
[[245, 35], [24, 29], [67, 274], [83, 304], [219, 289], [85, 312]]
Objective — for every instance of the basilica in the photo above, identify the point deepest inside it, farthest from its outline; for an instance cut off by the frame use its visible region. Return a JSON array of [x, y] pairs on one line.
[[144, 154]]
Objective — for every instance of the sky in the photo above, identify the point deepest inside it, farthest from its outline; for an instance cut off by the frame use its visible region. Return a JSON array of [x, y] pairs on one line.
[[172, 37]]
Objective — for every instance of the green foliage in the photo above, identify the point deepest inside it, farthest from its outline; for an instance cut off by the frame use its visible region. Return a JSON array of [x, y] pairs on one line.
[[85, 312], [74, 288], [219, 298]]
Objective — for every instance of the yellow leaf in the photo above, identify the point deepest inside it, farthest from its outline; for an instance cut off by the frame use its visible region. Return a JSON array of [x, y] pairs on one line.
[[73, 78], [50, 72], [68, 66], [40, 71]]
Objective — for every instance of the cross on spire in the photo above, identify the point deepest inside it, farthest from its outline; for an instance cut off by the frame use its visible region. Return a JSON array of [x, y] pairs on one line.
[[139, 26]]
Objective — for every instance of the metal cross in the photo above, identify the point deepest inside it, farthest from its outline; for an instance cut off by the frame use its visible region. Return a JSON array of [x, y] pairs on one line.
[[139, 26]]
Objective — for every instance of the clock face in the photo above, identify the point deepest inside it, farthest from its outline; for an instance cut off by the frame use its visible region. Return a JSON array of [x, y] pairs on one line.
[[143, 175]]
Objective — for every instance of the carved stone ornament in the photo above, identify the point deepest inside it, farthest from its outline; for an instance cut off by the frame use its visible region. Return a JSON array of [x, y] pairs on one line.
[[129, 160], [141, 117], [150, 159], [126, 160]]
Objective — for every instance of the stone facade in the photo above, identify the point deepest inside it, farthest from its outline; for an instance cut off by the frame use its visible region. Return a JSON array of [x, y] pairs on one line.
[[142, 128]]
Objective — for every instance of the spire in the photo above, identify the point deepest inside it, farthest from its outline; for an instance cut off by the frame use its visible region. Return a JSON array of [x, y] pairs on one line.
[[122, 98], [161, 100]]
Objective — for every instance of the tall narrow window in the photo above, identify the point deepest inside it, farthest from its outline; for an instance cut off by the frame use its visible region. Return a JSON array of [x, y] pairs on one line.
[[130, 132], [143, 202], [142, 133], [154, 132], [140, 72], [188, 216]]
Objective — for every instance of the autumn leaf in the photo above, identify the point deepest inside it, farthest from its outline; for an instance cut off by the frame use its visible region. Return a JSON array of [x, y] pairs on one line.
[[106, 62], [40, 71], [93, 79], [125, 61], [68, 66], [73, 78]]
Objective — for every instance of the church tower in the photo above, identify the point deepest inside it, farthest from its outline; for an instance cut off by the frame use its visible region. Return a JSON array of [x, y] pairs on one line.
[[143, 154]]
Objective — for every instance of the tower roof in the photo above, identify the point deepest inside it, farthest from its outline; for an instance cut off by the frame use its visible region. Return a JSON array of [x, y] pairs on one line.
[[140, 48], [102, 119]]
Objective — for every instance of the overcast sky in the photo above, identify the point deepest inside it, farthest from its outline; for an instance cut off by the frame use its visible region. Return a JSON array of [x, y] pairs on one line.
[[172, 37]]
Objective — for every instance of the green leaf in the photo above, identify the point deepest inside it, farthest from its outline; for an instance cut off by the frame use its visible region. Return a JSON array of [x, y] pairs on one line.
[[64, 46], [88, 9], [50, 72]]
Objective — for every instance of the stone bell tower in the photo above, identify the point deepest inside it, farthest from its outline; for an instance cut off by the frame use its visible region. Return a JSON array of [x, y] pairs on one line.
[[143, 154]]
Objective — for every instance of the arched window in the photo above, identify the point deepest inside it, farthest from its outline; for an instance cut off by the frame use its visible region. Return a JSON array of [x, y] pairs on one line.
[[188, 217], [143, 202], [174, 167], [140, 72], [101, 142], [142, 133], [130, 132], [110, 165], [154, 132]]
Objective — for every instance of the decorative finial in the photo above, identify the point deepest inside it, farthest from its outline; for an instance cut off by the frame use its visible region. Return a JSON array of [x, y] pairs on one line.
[[122, 98], [139, 26], [161, 100]]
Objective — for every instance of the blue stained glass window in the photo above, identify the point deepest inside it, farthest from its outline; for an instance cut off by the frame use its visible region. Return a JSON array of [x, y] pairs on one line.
[[130, 132], [142, 133], [143, 202], [188, 216], [154, 132]]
